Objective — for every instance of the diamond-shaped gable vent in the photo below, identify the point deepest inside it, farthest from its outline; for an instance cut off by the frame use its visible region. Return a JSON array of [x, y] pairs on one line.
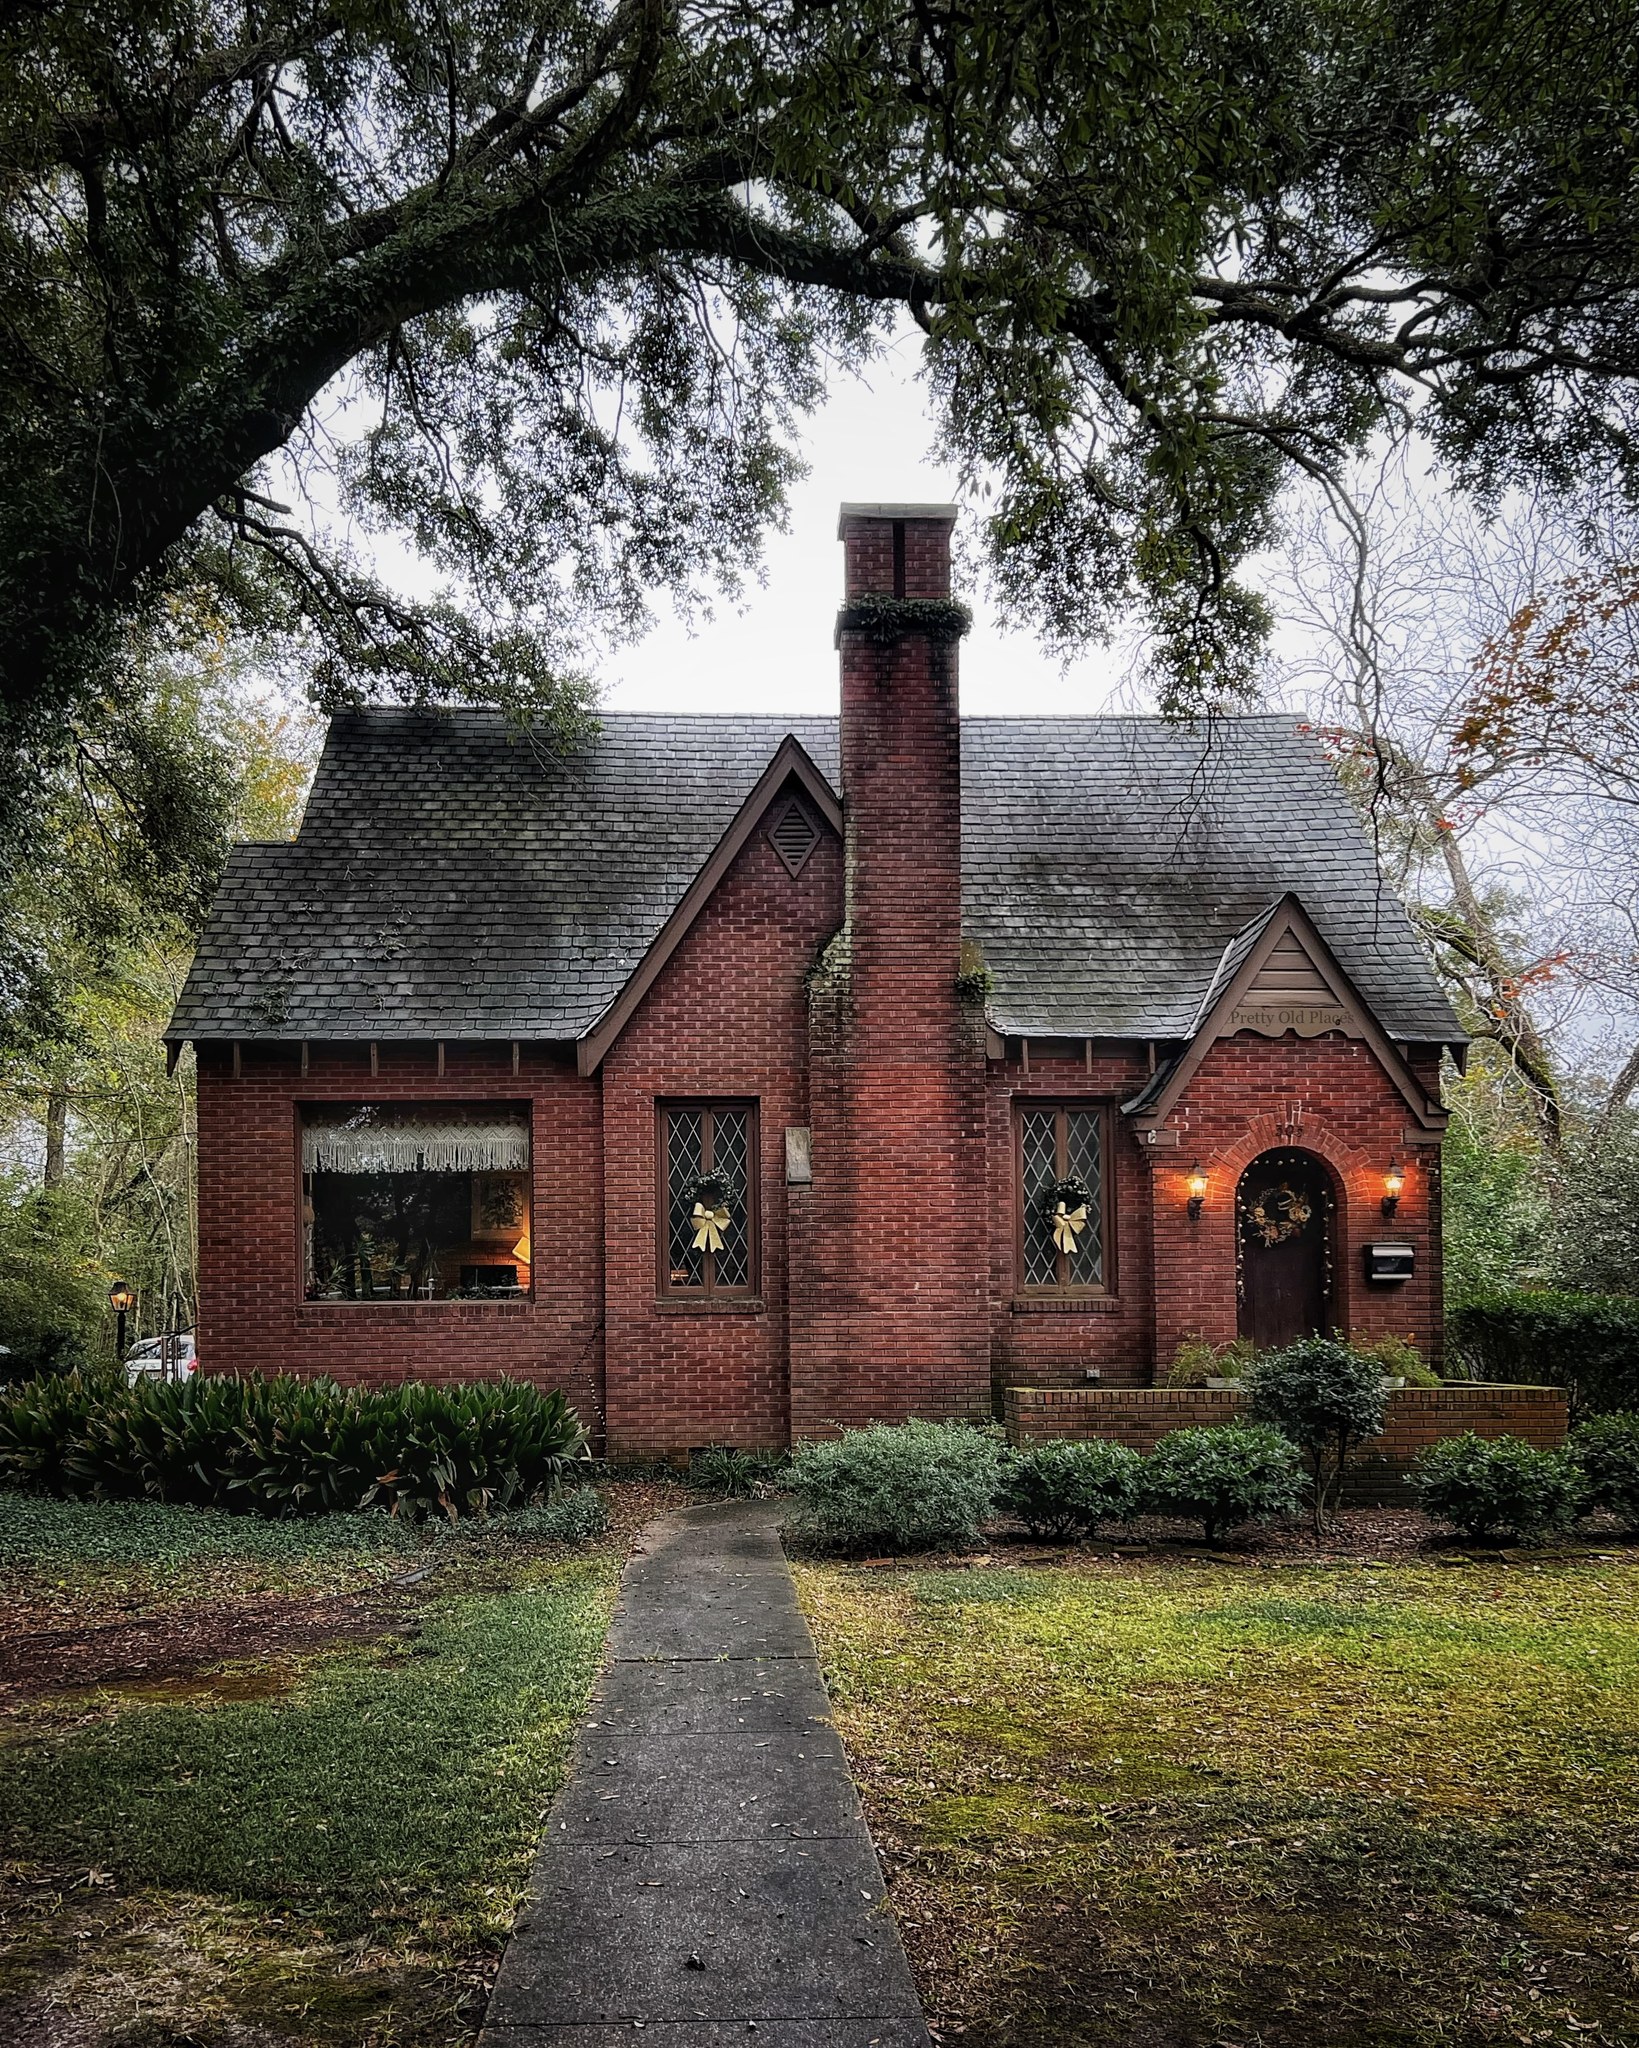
[[793, 834]]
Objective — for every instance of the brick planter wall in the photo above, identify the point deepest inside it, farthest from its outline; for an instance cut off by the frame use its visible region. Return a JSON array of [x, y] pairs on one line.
[[1417, 1417]]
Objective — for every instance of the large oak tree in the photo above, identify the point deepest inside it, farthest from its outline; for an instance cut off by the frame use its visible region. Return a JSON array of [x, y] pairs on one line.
[[577, 268]]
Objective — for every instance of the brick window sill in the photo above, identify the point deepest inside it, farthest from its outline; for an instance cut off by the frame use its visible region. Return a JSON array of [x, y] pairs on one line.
[[1066, 1304], [413, 1311], [711, 1305]]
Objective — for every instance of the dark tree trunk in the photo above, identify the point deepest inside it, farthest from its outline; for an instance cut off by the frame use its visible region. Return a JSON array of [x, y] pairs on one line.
[[56, 1137]]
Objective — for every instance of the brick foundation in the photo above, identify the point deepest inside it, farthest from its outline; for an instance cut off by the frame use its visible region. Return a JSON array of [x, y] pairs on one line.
[[1417, 1417]]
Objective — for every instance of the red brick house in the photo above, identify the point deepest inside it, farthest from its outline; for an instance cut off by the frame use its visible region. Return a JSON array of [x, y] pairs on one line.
[[753, 1076]]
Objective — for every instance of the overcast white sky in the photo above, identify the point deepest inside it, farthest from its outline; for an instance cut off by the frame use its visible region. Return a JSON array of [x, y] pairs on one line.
[[871, 443]]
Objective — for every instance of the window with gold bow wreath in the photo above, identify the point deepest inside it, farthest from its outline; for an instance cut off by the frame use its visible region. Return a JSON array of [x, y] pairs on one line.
[[1069, 1204], [711, 1201]]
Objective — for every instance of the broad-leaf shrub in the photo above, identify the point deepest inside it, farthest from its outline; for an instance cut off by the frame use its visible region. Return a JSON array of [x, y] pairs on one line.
[[1586, 1343], [1069, 1489], [1223, 1476], [1605, 1452], [1500, 1486], [289, 1446], [1325, 1396], [723, 1473], [896, 1486]]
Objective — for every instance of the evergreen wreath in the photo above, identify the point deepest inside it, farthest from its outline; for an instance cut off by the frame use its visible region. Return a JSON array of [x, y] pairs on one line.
[[1072, 1191], [712, 1190]]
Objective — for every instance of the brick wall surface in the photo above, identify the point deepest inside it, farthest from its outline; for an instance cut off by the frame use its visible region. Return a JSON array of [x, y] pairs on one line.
[[252, 1315], [727, 1018], [888, 1268], [1417, 1417]]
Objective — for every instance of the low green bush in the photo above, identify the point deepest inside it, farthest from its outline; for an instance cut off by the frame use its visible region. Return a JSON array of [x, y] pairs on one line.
[[1605, 1452], [1586, 1343], [1223, 1476], [1499, 1486], [287, 1446], [574, 1514], [1325, 1396], [896, 1487], [723, 1473], [1069, 1489]]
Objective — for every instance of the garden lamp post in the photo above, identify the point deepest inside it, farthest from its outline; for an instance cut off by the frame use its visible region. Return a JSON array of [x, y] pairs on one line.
[[120, 1298]]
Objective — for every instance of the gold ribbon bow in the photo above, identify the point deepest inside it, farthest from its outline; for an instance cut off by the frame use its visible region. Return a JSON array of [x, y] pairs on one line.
[[1068, 1224], [709, 1225]]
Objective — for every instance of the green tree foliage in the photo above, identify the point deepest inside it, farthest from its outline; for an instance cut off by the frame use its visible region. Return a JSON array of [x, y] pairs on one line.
[[97, 924], [52, 1280], [1592, 1242], [1495, 1204], [577, 270]]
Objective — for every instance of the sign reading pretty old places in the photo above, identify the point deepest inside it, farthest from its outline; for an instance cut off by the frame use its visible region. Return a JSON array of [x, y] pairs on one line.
[[1308, 1020]]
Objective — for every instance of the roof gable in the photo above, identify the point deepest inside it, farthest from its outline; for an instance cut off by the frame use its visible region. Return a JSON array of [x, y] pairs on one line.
[[790, 764], [1277, 974]]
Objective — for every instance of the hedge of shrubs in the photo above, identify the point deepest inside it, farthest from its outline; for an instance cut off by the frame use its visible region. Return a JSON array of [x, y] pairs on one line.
[[288, 1446], [1586, 1343], [908, 1486], [932, 1486]]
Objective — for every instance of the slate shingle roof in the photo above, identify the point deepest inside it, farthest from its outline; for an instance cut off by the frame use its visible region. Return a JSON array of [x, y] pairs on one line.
[[450, 882]]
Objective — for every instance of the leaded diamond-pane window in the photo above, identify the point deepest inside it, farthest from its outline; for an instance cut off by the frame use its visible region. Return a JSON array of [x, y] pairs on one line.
[[709, 1158], [1059, 1142]]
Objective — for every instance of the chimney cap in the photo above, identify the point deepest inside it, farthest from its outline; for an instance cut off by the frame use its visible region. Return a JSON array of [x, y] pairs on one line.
[[944, 515]]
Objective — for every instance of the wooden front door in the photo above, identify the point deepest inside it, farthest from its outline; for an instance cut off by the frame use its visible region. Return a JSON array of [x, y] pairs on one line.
[[1284, 1211]]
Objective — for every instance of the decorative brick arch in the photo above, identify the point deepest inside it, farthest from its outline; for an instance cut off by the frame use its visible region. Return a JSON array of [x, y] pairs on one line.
[[1313, 1134]]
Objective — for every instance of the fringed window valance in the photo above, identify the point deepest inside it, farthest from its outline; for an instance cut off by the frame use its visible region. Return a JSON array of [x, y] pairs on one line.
[[369, 1138]]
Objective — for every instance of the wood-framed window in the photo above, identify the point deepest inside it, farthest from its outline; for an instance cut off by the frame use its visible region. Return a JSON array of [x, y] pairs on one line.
[[1060, 1141], [708, 1149]]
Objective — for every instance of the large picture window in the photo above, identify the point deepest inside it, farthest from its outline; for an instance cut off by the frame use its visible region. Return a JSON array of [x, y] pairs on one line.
[[405, 1202], [1061, 1166], [708, 1219]]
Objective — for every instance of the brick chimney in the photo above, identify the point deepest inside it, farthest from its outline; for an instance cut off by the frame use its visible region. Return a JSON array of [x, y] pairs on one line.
[[888, 1279]]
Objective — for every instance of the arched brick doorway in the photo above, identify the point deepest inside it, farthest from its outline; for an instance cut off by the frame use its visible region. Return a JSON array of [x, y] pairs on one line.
[[1285, 1216]]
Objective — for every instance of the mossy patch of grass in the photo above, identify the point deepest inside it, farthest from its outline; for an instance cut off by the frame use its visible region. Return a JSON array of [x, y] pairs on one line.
[[323, 1848], [1176, 1804]]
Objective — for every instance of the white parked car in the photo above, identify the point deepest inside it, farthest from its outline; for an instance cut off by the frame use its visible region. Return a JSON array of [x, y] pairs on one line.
[[152, 1358]]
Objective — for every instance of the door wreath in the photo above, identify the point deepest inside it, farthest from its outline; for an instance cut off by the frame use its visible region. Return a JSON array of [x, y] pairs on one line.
[[1279, 1212]]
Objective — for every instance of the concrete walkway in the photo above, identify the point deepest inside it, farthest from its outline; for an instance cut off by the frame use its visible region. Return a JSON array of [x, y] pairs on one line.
[[707, 1875]]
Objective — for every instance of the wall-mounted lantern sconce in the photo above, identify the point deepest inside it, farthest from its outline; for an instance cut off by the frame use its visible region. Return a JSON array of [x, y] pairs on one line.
[[1197, 1189], [1393, 1182]]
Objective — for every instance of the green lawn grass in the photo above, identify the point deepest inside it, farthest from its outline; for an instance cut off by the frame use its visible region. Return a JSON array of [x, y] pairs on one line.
[[1173, 1804], [324, 1847]]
